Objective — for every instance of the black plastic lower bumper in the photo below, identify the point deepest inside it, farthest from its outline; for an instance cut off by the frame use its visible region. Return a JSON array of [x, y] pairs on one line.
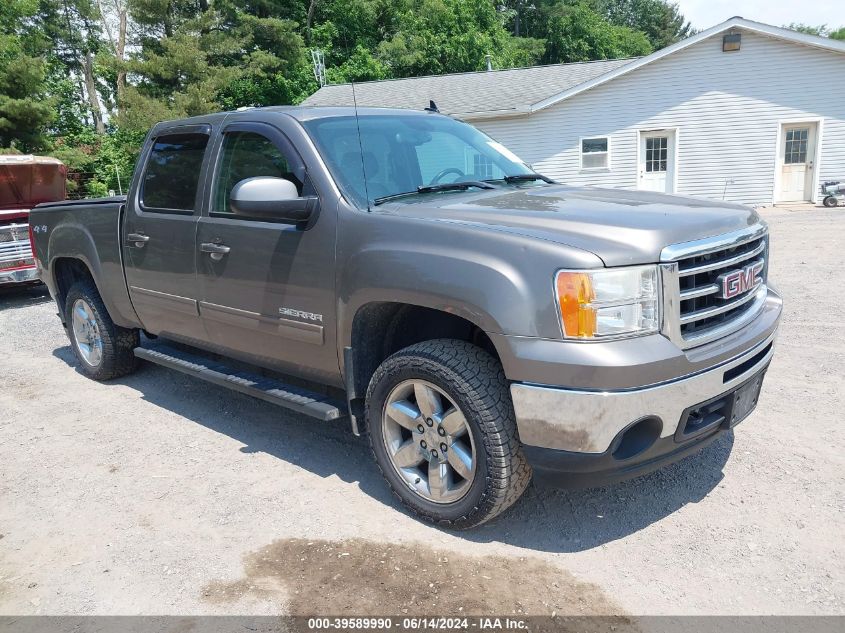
[[564, 469]]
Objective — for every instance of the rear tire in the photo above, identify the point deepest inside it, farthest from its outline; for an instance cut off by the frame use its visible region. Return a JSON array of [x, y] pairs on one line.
[[830, 201], [452, 394], [104, 349]]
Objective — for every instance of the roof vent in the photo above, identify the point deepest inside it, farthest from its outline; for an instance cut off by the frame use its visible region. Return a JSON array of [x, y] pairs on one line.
[[731, 42], [488, 59]]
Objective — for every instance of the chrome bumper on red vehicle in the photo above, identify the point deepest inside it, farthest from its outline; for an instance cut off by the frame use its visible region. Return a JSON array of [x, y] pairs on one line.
[[16, 261], [18, 275]]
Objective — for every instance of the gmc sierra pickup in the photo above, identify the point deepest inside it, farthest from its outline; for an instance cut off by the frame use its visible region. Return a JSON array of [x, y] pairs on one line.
[[477, 321]]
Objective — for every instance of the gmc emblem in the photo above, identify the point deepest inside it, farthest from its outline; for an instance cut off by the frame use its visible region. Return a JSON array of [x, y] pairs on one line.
[[737, 282]]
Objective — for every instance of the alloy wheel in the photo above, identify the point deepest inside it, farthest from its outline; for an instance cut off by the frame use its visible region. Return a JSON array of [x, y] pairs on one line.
[[86, 333], [428, 441]]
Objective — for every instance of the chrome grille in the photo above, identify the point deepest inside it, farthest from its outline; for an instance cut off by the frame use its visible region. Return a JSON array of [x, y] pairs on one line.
[[15, 249], [694, 306]]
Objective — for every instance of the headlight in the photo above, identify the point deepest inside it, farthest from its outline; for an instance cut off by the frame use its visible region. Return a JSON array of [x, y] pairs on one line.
[[615, 302]]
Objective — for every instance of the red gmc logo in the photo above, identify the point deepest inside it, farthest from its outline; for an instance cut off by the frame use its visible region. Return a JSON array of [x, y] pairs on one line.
[[737, 282]]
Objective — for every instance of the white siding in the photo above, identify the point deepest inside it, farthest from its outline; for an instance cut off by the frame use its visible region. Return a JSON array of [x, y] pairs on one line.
[[726, 107]]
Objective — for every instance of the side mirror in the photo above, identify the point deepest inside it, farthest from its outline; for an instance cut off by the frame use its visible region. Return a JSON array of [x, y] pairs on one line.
[[271, 198]]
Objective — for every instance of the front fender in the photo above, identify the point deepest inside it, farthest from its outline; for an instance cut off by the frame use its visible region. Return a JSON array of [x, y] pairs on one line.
[[501, 282]]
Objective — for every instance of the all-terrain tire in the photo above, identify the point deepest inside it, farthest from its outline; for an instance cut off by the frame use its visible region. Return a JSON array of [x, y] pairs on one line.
[[118, 343], [830, 201], [475, 381]]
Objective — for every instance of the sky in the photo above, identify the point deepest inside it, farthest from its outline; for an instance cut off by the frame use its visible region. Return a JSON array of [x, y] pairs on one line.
[[706, 13]]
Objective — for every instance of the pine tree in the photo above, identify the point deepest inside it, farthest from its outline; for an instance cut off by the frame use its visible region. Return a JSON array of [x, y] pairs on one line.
[[25, 110]]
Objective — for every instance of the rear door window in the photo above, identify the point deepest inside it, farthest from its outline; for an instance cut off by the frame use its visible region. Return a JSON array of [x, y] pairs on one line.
[[173, 173]]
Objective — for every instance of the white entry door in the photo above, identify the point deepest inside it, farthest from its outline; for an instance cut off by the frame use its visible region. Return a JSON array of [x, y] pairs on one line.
[[797, 151], [657, 161]]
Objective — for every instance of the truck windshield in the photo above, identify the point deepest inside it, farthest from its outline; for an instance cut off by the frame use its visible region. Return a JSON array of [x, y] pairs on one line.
[[400, 153]]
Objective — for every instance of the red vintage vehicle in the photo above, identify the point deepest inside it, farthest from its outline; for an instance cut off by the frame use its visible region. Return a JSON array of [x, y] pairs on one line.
[[24, 182]]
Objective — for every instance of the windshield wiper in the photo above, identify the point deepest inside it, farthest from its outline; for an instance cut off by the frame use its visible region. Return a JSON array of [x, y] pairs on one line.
[[524, 178], [454, 186], [446, 186]]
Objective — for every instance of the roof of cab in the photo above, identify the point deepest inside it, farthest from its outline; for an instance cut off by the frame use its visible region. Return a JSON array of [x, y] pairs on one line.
[[307, 113], [300, 113]]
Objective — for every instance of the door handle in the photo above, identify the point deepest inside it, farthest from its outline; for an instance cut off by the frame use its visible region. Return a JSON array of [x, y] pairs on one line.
[[215, 250], [137, 240]]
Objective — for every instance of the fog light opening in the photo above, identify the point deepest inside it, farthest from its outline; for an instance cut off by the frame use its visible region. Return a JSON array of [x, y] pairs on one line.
[[637, 438]]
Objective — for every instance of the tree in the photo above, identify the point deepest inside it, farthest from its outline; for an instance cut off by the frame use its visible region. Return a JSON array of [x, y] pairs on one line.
[[522, 17], [85, 79], [25, 109], [114, 17], [72, 36], [661, 21], [821, 30], [577, 33], [206, 58], [361, 65], [447, 36]]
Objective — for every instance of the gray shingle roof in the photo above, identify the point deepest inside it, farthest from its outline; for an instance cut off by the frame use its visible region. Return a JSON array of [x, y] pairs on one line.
[[499, 91]]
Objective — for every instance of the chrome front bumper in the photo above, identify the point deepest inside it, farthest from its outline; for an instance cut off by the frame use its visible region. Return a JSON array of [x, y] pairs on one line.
[[589, 421], [19, 276]]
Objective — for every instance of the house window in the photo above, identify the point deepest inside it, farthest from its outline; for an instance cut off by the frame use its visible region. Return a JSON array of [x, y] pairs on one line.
[[796, 145], [595, 153], [482, 166], [656, 153]]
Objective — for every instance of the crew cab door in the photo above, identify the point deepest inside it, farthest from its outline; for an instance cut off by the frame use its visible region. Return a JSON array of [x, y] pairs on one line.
[[267, 288], [159, 233]]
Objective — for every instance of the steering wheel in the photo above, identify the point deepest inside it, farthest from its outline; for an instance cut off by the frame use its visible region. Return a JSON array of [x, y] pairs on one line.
[[441, 174]]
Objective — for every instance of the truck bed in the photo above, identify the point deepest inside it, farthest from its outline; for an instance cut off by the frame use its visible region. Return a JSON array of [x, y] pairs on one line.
[[87, 230], [86, 202]]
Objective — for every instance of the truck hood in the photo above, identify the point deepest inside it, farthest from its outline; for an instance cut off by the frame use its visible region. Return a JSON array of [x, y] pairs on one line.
[[619, 226]]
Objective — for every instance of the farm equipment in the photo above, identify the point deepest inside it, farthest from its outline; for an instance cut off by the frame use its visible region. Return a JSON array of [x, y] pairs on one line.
[[833, 192]]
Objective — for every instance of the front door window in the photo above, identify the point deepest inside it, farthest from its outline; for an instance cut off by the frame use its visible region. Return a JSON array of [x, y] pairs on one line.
[[247, 155]]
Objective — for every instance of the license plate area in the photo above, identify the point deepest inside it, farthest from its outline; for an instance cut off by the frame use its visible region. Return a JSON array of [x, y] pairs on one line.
[[724, 411], [745, 399]]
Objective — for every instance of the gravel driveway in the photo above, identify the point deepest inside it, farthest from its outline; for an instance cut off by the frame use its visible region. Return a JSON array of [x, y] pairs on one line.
[[160, 494]]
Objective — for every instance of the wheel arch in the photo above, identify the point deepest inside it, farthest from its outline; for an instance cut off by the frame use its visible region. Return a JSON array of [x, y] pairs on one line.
[[381, 328], [74, 254], [66, 271]]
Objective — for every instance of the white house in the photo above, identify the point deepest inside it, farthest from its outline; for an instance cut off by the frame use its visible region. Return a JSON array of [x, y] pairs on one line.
[[742, 111]]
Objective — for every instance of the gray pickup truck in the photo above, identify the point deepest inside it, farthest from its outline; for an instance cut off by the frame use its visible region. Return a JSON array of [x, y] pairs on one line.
[[477, 321]]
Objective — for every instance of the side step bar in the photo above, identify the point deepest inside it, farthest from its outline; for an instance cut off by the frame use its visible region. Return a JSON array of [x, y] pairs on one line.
[[288, 396]]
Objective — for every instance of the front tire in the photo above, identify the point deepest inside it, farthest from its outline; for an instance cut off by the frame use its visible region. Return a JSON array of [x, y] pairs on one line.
[[104, 349], [443, 433], [830, 201]]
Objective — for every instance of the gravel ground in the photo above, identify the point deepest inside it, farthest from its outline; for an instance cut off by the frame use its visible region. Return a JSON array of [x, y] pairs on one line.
[[160, 494]]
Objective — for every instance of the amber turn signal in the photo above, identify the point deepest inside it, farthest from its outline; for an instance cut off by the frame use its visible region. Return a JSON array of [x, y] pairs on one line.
[[575, 294]]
